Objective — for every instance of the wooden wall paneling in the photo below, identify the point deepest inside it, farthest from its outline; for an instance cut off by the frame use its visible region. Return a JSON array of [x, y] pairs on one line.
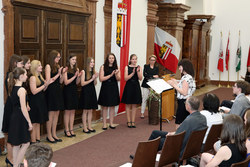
[[27, 32], [152, 20], [108, 26], [53, 35], [91, 4], [8, 11]]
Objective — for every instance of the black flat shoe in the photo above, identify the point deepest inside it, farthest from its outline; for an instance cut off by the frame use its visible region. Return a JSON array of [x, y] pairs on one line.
[[112, 127], [7, 161], [86, 131], [58, 140], [72, 135], [50, 141], [131, 156], [32, 143], [93, 130], [38, 141], [104, 128], [66, 133]]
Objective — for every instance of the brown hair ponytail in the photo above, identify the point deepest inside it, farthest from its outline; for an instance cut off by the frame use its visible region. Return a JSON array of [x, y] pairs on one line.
[[13, 76]]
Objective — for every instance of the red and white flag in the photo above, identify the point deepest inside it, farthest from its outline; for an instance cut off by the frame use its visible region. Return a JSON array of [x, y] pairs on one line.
[[167, 49], [227, 53], [248, 59], [220, 65], [120, 36]]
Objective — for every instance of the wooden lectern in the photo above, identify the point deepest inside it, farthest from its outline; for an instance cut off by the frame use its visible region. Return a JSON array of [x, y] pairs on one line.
[[167, 101]]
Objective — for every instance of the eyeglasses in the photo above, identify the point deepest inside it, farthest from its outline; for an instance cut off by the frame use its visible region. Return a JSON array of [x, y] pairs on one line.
[[152, 60], [58, 57]]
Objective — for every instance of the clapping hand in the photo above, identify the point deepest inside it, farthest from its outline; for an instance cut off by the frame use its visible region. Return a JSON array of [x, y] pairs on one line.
[[65, 70], [60, 70], [138, 68]]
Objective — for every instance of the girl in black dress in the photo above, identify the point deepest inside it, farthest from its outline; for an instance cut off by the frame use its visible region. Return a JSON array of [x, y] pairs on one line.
[[37, 100], [15, 61], [26, 63], [88, 99], [54, 94], [132, 91], [20, 123], [109, 95], [71, 80]]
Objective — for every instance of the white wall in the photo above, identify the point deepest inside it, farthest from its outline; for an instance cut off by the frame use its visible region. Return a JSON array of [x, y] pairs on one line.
[[229, 16], [138, 33], [1, 68]]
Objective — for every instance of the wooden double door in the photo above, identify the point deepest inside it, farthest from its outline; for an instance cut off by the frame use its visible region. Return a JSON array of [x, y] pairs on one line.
[[38, 31]]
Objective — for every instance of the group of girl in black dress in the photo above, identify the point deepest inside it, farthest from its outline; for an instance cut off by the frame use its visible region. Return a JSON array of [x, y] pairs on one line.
[[33, 99]]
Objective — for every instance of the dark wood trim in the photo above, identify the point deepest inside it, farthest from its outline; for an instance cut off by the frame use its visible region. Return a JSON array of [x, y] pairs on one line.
[[222, 83]]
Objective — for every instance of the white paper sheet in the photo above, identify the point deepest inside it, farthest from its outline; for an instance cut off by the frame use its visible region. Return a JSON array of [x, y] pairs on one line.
[[53, 164], [159, 85]]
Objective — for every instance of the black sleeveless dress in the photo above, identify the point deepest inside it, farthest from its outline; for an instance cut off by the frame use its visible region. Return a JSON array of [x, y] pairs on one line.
[[7, 108], [109, 93], [247, 77], [132, 90], [70, 94], [18, 128], [236, 156], [54, 95], [88, 99], [38, 106]]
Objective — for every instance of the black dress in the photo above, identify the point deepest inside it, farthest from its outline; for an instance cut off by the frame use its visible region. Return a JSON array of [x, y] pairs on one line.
[[7, 108], [132, 90], [54, 95], [109, 93], [88, 99], [148, 73], [18, 128], [38, 106], [247, 77], [70, 94]]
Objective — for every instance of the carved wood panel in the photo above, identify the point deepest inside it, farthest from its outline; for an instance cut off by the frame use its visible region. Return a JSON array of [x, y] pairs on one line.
[[27, 32]]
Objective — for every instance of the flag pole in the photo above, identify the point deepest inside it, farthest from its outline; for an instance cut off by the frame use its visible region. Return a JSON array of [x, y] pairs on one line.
[[219, 80], [228, 66], [219, 70]]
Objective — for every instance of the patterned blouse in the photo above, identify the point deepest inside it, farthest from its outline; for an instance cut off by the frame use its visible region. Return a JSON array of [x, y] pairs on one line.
[[191, 86]]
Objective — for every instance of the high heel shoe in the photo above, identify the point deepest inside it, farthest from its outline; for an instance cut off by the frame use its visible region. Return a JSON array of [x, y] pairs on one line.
[[112, 127], [129, 125], [57, 140], [50, 141], [66, 134], [72, 135], [133, 125], [7, 161]]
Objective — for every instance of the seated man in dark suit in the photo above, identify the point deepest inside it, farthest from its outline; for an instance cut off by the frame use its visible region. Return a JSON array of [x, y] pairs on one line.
[[38, 154], [194, 122]]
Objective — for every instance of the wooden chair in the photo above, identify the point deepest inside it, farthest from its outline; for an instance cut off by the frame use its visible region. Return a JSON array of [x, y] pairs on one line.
[[146, 153], [212, 137], [193, 146], [242, 163], [171, 149]]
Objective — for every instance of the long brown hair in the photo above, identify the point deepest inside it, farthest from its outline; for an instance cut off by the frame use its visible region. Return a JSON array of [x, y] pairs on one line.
[[14, 59], [106, 63], [88, 71], [247, 122], [52, 56], [74, 69], [233, 132], [13, 76]]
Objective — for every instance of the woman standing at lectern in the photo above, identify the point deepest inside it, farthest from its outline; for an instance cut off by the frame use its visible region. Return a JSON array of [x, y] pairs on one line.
[[150, 71], [185, 88]]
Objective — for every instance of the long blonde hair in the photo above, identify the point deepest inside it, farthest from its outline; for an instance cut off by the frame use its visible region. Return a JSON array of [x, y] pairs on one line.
[[33, 71], [88, 71]]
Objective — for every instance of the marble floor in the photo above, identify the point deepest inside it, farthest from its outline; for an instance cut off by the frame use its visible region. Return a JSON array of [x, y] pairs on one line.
[[80, 136]]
